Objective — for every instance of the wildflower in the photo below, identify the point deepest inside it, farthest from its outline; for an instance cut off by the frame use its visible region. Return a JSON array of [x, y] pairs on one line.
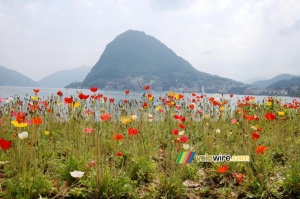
[[192, 106], [36, 121], [76, 104], [10, 99], [17, 124], [269, 103], [88, 130], [68, 100], [77, 174], [105, 117], [239, 178], [91, 164], [184, 139], [132, 131], [175, 132], [146, 87], [261, 149], [83, 96], [5, 144], [94, 89], [34, 98], [59, 93], [36, 91], [145, 105], [270, 116], [181, 133], [118, 137], [179, 96], [233, 121], [23, 135], [231, 95], [182, 126], [222, 169], [281, 113], [218, 131], [47, 133], [111, 100], [119, 153], [255, 136], [150, 117], [126, 92], [186, 146]]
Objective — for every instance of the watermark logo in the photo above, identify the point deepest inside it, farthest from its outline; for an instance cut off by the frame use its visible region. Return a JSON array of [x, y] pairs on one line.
[[185, 157]]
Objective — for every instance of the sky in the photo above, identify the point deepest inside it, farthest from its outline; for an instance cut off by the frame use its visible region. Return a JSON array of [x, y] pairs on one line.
[[237, 39]]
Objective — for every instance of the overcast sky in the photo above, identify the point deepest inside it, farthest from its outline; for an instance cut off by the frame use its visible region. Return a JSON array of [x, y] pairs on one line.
[[237, 39]]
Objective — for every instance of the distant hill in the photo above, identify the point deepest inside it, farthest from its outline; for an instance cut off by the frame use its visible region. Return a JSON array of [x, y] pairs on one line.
[[292, 86], [10, 77], [62, 78], [265, 83], [134, 59]]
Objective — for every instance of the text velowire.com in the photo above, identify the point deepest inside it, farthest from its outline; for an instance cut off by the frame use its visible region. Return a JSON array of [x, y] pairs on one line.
[[222, 158]]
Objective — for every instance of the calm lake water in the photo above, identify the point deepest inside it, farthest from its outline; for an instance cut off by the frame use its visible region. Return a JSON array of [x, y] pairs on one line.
[[44, 93]]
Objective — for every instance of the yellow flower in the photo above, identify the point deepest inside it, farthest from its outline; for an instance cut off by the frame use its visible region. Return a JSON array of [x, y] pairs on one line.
[[47, 132], [17, 124], [76, 104], [171, 93], [281, 113], [158, 107], [222, 108], [269, 103], [34, 98]]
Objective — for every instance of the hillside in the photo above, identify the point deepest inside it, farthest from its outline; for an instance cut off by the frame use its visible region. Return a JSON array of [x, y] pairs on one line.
[[62, 78], [10, 77], [266, 83], [134, 59], [292, 86]]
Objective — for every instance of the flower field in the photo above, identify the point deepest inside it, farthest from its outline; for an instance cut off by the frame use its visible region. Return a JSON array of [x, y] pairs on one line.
[[91, 146]]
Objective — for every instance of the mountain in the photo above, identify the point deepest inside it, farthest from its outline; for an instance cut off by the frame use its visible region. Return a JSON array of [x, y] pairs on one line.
[[10, 77], [62, 78], [134, 59], [266, 83], [291, 86]]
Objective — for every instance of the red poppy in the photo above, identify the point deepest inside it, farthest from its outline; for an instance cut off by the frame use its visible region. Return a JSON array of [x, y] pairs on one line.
[[194, 94], [147, 87], [184, 139], [118, 137], [150, 96], [192, 106], [68, 100], [261, 149], [145, 105], [83, 96], [94, 89], [175, 131], [59, 93], [125, 101], [179, 118], [270, 116], [119, 153], [222, 169], [36, 121], [5, 144], [105, 98], [132, 131], [239, 178], [231, 95], [105, 117], [20, 118], [255, 136], [126, 92], [111, 100], [182, 126], [36, 91], [91, 164], [20, 103]]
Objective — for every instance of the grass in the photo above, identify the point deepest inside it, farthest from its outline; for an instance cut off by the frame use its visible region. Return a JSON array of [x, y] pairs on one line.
[[128, 149]]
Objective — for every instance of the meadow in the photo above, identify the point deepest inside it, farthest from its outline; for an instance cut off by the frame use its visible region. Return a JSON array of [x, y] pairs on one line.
[[91, 146]]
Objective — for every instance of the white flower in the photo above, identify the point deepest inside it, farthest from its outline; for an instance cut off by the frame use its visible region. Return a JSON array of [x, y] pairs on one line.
[[218, 131], [186, 146], [181, 133], [77, 174], [150, 117], [23, 135], [10, 99]]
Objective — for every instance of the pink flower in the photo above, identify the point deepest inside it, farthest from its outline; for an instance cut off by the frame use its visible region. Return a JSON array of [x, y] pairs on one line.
[[233, 121], [88, 130]]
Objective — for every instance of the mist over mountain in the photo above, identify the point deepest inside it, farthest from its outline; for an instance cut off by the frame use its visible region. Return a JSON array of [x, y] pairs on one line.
[[10, 77], [62, 78], [265, 83], [134, 59]]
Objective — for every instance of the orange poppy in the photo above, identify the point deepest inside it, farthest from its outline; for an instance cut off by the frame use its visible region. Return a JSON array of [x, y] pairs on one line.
[[132, 131], [105, 117], [36, 121], [118, 137], [261, 149], [222, 169]]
